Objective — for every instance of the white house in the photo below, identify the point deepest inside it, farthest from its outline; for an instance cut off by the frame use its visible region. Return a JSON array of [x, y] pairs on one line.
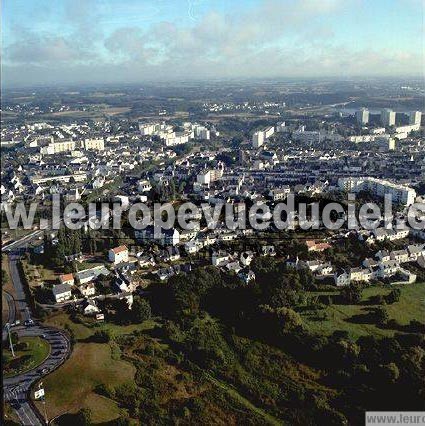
[[118, 255], [246, 258], [87, 289], [66, 279], [341, 278], [90, 307], [400, 256], [415, 251], [360, 274], [220, 258], [62, 292]]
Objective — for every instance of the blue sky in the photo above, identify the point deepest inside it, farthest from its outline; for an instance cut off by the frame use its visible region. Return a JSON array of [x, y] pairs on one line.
[[86, 41]]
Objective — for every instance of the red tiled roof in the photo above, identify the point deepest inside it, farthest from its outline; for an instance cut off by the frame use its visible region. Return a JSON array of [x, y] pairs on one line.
[[66, 277], [119, 249]]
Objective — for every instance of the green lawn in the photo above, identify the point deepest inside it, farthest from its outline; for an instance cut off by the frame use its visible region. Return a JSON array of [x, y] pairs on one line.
[[82, 331], [36, 274], [71, 387], [35, 352], [354, 318]]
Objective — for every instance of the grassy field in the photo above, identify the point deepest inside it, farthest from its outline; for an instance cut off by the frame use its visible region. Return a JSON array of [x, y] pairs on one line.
[[7, 286], [355, 319], [36, 274], [71, 387], [34, 354], [90, 364], [82, 332]]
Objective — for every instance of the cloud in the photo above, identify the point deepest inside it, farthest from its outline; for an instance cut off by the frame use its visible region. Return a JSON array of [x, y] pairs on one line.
[[286, 38]]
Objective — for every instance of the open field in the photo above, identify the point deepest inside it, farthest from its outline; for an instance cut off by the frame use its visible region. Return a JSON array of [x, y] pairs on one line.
[[89, 365], [36, 351], [37, 274], [82, 332], [7, 286], [102, 110], [354, 318]]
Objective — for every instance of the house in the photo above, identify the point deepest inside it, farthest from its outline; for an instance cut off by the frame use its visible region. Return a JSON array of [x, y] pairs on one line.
[[66, 279], [165, 273], [87, 275], [233, 266], [415, 251], [268, 251], [100, 317], [279, 193], [361, 274], [313, 246], [145, 261], [165, 237], [62, 292], [189, 234], [144, 186], [246, 276], [341, 278], [380, 234], [192, 247], [118, 255], [171, 254], [370, 263], [324, 269], [293, 262], [400, 256], [246, 258], [383, 255], [75, 256], [89, 307], [387, 269], [88, 289], [220, 258]]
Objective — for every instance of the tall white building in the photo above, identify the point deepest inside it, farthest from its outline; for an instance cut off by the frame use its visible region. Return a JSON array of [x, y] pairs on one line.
[[58, 147], [388, 117], [94, 144], [268, 132], [201, 132], [257, 139], [281, 127], [362, 116], [415, 117], [400, 194], [147, 129]]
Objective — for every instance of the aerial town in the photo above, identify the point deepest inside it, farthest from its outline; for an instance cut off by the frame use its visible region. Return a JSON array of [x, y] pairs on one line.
[[212, 213], [104, 277]]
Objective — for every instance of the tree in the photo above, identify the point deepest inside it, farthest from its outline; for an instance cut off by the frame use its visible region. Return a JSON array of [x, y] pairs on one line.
[[393, 296], [389, 372], [352, 294], [14, 337], [382, 316], [84, 417], [141, 309], [289, 319], [4, 277], [102, 336]]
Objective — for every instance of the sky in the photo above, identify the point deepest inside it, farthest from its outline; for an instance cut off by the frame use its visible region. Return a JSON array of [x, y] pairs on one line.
[[133, 41]]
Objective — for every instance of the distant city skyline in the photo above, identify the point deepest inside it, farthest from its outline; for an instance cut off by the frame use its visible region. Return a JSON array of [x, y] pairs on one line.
[[129, 41]]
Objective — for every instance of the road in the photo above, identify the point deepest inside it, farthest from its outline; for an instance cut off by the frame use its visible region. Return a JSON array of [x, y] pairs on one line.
[[26, 239], [16, 390]]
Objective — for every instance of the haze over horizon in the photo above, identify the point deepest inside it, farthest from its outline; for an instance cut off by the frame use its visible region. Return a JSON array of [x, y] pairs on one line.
[[129, 41]]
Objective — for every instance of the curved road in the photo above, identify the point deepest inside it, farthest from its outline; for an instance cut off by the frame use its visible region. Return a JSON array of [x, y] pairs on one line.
[[16, 390]]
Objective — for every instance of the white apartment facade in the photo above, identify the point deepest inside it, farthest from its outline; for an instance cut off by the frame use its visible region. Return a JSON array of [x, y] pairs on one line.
[[400, 194]]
